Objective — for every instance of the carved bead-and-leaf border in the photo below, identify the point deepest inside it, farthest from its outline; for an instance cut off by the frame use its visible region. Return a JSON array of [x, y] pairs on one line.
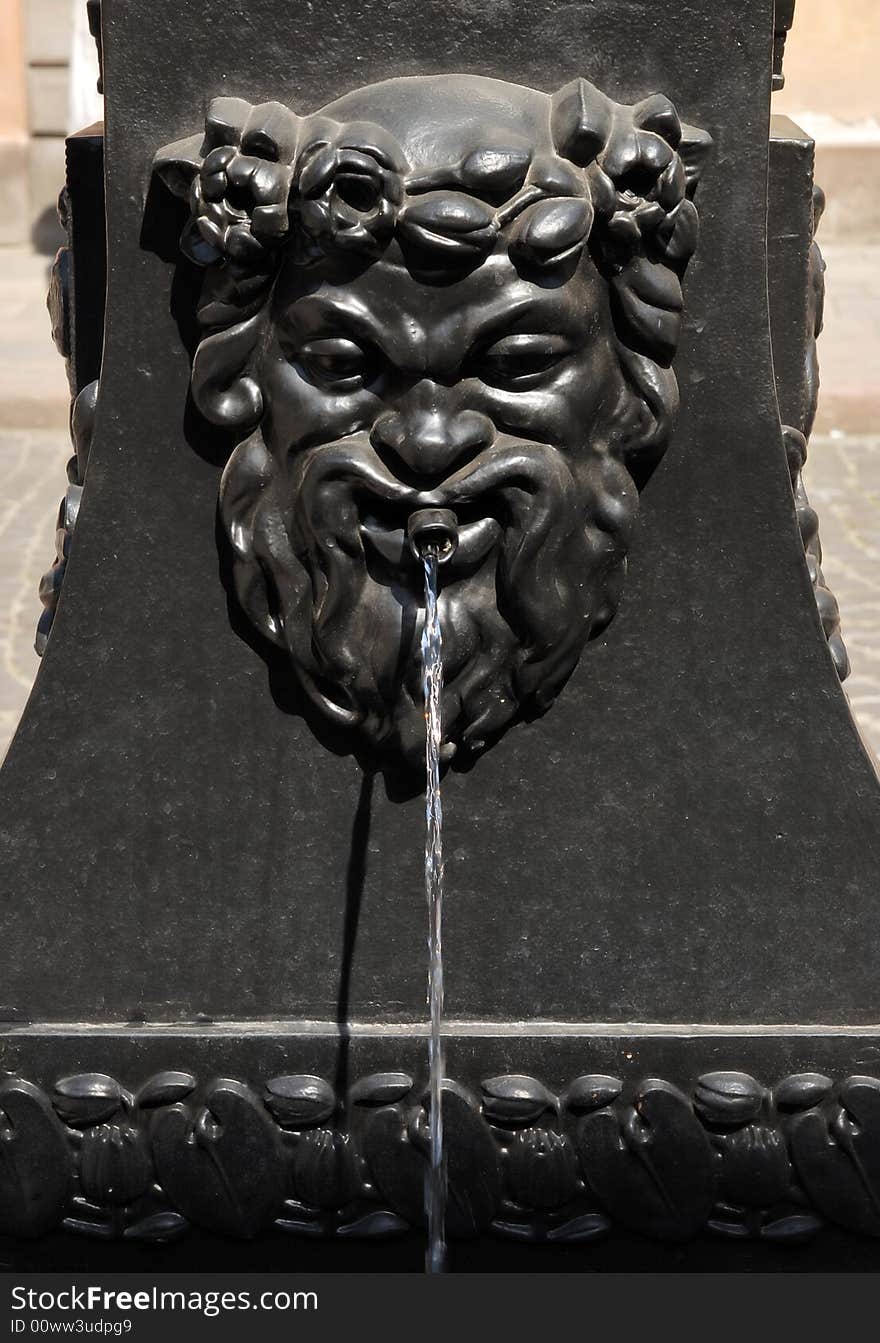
[[733, 1157]]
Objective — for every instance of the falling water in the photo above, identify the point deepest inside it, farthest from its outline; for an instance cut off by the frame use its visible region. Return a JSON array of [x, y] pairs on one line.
[[432, 673]]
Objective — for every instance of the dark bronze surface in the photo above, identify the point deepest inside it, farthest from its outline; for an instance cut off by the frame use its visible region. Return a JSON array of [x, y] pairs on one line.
[[689, 837]]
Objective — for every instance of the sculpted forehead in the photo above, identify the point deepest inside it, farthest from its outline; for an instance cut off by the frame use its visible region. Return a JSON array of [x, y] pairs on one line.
[[437, 119]]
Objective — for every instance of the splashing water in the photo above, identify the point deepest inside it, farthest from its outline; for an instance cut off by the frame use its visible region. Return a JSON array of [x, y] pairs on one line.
[[432, 680]]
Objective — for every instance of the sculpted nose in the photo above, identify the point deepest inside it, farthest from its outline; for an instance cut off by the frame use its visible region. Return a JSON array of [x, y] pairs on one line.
[[431, 442]]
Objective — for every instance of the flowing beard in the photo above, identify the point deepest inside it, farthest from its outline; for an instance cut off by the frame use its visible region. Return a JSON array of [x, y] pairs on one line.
[[323, 568]]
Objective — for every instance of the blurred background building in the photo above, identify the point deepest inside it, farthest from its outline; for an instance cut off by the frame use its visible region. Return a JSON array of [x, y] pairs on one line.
[[47, 88], [48, 72]]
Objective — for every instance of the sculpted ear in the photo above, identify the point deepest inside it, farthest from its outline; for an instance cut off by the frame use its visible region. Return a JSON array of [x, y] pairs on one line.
[[695, 149], [223, 390], [243, 498]]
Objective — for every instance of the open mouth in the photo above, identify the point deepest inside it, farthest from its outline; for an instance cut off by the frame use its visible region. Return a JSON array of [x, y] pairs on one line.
[[383, 530]]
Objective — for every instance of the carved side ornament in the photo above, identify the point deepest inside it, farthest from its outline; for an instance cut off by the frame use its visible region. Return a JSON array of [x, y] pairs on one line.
[[796, 441]]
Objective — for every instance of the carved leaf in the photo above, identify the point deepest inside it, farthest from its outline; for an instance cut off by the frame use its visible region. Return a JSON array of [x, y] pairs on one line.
[[581, 119], [656, 113], [837, 1156], [87, 1098], [326, 1172], [588, 1227], [397, 1168], [396, 1146], [652, 1167], [799, 1227], [501, 171], [647, 302], [375, 1225], [515, 1230], [695, 150], [472, 1164], [678, 233], [734, 1230], [298, 1102], [381, 1089], [591, 1092], [728, 1098], [83, 1226], [300, 1222], [802, 1091], [35, 1161], [223, 1167], [158, 1229], [549, 231], [457, 227], [515, 1099], [165, 1089]]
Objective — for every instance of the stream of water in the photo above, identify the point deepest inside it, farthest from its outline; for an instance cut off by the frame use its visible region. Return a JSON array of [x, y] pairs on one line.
[[432, 670]]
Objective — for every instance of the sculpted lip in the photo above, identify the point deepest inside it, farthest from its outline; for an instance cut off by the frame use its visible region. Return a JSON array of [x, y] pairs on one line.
[[473, 494], [475, 540]]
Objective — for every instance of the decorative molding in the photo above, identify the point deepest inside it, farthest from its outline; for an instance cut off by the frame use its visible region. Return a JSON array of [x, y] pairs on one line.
[[76, 309], [82, 423], [796, 441], [732, 1158]]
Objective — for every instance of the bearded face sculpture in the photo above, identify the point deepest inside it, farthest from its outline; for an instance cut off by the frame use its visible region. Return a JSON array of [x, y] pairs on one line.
[[440, 292]]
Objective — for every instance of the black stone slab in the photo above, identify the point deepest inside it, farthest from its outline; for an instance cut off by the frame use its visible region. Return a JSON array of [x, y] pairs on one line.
[[649, 850], [688, 836]]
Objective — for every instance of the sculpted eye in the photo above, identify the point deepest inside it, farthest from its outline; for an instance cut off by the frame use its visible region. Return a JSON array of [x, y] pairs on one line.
[[339, 362], [520, 360]]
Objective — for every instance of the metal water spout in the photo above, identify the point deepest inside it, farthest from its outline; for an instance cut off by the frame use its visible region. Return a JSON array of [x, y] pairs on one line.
[[433, 538], [433, 530]]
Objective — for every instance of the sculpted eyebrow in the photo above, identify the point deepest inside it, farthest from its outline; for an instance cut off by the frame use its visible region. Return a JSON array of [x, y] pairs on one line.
[[315, 316], [498, 321]]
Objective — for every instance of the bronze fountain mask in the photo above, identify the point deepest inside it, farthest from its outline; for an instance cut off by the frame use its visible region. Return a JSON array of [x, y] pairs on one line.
[[437, 293]]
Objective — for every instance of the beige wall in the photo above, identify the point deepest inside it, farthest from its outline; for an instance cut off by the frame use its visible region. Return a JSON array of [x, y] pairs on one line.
[[14, 203], [13, 96], [832, 87], [832, 60], [832, 70]]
